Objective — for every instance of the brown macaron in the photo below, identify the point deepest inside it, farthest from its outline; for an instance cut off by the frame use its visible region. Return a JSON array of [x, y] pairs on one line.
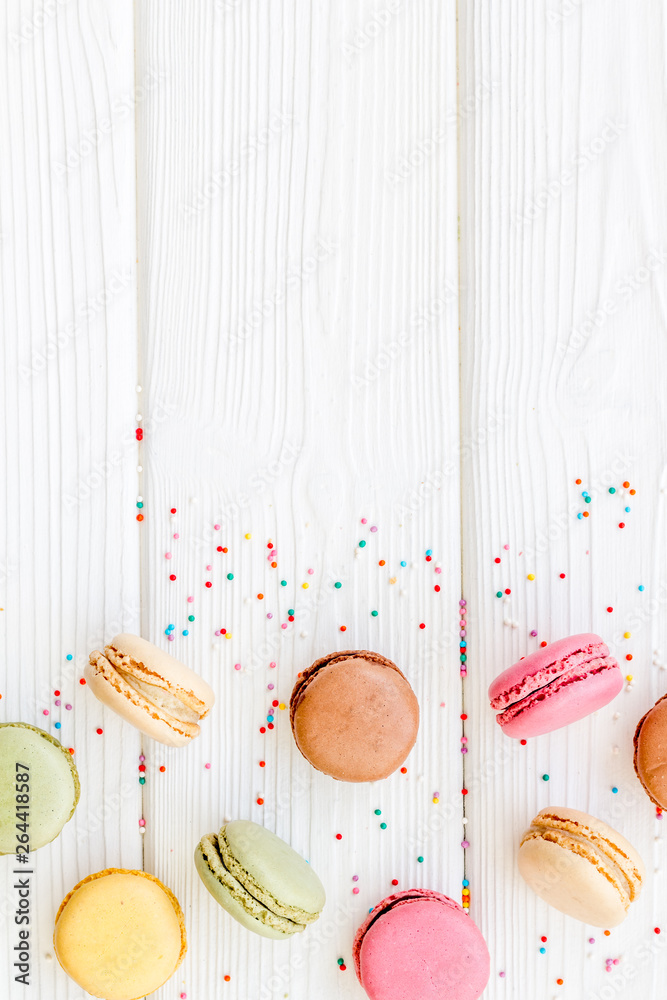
[[651, 752], [354, 715]]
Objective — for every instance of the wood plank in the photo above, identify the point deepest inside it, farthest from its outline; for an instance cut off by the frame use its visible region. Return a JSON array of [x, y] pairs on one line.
[[298, 262], [69, 544], [563, 356]]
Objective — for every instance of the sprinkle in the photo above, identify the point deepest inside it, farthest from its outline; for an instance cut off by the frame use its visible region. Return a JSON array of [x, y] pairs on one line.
[[656, 930], [612, 489], [339, 836], [230, 576], [190, 600], [99, 731], [421, 625], [404, 770], [82, 680], [394, 881], [343, 628], [559, 982], [610, 610], [621, 524], [465, 844], [383, 826], [207, 766], [305, 586], [378, 812], [545, 777], [497, 559], [562, 576], [374, 614], [248, 536], [362, 544], [227, 978], [641, 587], [533, 633], [420, 860], [615, 790], [45, 711], [632, 492], [531, 576], [57, 725], [403, 563]]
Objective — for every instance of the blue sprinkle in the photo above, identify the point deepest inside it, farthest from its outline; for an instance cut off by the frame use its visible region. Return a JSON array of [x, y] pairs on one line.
[[429, 552], [580, 516], [269, 718], [69, 656], [403, 562], [615, 790], [628, 509], [167, 632], [641, 586], [466, 883], [185, 632], [58, 724], [463, 642], [543, 951]]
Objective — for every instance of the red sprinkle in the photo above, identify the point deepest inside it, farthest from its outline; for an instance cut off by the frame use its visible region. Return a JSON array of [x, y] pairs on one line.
[[208, 583], [219, 548], [343, 628], [656, 930], [508, 591], [262, 763], [543, 644], [621, 524], [628, 656], [262, 729], [421, 625], [523, 742], [57, 694], [464, 791], [497, 559], [610, 610], [562, 576], [142, 767], [464, 716], [163, 768], [82, 680], [339, 836], [260, 802], [99, 731], [140, 517], [394, 881], [404, 770], [173, 510], [172, 576], [342, 967]]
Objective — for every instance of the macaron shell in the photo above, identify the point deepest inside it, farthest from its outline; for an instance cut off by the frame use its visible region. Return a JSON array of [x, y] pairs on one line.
[[167, 667], [555, 707], [543, 665], [53, 780], [650, 757], [423, 947], [355, 717], [570, 883], [230, 901], [272, 870], [120, 934]]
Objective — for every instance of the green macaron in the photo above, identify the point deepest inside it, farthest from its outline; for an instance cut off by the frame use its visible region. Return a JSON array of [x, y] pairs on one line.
[[259, 879], [39, 787]]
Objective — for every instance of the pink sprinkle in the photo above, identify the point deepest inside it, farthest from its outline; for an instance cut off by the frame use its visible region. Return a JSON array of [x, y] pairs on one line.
[[207, 766], [270, 686], [464, 749], [364, 520], [591, 940], [465, 843], [355, 878], [171, 637], [533, 633], [183, 996], [464, 739], [142, 758], [142, 822], [284, 625], [269, 615], [167, 555], [506, 547], [436, 795], [462, 633], [355, 891], [58, 702], [216, 527], [373, 528], [177, 536], [310, 572], [218, 632], [438, 570], [45, 712], [190, 600], [502, 975], [68, 708], [272, 663], [209, 567], [237, 666]]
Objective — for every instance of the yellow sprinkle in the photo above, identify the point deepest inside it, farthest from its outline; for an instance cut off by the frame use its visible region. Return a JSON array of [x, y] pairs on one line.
[[531, 576], [305, 586], [228, 635], [628, 677], [436, 801], [282, 707], [466, 892], [626, 635], [248, 535], [392, 579]]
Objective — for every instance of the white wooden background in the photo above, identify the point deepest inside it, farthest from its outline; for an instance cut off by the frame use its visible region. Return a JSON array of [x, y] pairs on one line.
[[261, 213]]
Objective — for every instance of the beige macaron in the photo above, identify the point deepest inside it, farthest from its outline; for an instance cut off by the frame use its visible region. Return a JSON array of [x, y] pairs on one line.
[[580, 866], [120, 934], [150, 689]]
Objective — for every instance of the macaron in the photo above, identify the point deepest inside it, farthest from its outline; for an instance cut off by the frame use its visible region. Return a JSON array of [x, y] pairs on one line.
[[120, 934], [259, 879], [354, 715], [152, 690], [39, 787], [420, 945], [580, 866], [554, 686], [650, 757]]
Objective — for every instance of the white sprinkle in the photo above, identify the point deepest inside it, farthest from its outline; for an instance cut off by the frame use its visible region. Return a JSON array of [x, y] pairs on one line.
[[140, 468], [137, 388], [304, 635]]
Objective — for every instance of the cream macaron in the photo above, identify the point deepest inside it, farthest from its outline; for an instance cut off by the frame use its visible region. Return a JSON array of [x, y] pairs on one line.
[[150, 689], [580, 866], [120, 934]]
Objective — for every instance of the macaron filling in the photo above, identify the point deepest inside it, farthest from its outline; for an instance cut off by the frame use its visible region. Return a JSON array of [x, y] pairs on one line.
[[553, 679], [255, 900]]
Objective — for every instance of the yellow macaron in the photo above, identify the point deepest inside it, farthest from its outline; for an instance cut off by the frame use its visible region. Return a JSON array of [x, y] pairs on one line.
[[120, 934]]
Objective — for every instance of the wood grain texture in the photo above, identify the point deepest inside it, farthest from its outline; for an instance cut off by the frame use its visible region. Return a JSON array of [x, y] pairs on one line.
[[300, 357], [68, 543], [563, 335]]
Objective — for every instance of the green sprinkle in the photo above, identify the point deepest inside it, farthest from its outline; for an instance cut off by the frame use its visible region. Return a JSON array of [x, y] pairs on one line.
[[383, 826], [378, 812], [374, 614], [463, 657], [341, 961], [499, 593], [142, 781], [191, 618], [420, 859], [338, 585], [545, 777], [139, 505], [283, 583], [587, 499], [230, 576], [291, 611], [612, 489], [362, 543]]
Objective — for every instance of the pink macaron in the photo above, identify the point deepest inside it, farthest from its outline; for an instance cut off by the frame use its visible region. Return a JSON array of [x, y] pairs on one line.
[[554, 686], [420, 945]]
